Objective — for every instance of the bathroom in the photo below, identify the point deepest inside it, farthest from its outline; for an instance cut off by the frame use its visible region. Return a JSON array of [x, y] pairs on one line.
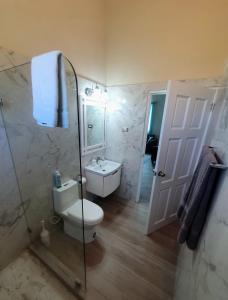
[[120, 241]]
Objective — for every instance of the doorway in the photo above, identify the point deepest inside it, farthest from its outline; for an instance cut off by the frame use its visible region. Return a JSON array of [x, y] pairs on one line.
[[184, 131], [155, 111]]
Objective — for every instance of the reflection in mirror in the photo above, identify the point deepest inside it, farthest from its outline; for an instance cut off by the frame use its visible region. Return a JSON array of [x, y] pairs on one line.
[[95, 124], [93, 120]]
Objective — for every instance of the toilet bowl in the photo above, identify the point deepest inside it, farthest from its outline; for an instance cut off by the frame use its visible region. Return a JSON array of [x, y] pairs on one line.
[[69, 206]]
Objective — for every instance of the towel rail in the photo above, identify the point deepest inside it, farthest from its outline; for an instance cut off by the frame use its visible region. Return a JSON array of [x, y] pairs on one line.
[[219, 166]]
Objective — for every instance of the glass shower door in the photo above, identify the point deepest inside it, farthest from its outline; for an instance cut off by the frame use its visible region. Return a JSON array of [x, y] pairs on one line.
[[37, 152]]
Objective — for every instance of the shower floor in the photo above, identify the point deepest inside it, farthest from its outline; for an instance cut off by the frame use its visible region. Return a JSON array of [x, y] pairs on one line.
[[68, 250], [27, 278]]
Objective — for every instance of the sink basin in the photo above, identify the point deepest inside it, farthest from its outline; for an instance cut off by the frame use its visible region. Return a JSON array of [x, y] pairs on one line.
[[103, 167], [103, 178]]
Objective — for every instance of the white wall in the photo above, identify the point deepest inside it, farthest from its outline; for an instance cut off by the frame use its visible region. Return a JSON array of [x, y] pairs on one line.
[[150, 41], [76, 27], [126, 41]]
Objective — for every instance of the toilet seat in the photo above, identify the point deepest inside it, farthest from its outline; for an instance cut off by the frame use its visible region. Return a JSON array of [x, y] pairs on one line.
[[93, 214]]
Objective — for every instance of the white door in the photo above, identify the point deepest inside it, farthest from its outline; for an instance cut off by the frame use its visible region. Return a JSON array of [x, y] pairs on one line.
[[184, 126]]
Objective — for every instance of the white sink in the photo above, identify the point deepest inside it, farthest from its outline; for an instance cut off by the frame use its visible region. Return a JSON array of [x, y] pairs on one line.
[[103, 167], [102, 178]]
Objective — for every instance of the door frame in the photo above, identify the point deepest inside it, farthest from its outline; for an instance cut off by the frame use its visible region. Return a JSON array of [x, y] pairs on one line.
[[147, 115]]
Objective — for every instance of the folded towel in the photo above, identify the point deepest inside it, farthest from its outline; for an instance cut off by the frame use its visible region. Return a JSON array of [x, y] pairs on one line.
[[49, 90], [195, 206]]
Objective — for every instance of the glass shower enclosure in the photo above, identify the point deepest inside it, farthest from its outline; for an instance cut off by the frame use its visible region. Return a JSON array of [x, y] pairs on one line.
[[36, 152]]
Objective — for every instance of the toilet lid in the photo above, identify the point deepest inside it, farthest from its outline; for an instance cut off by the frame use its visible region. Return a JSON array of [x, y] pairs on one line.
[[93, 214]]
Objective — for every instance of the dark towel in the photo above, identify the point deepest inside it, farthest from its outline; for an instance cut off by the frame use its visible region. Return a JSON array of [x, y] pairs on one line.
[[60, 109], [194, 209]]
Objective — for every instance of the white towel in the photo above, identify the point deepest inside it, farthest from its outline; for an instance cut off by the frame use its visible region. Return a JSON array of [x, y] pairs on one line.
[[49, 90]]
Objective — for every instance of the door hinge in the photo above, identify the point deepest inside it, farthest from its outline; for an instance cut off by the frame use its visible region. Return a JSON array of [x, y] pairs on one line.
[[212, 106]]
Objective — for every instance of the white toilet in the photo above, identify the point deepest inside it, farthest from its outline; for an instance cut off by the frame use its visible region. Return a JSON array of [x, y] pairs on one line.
[[68, 205]]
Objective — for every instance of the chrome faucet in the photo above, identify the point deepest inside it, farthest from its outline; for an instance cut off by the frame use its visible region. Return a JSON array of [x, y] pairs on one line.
[[98, 159]]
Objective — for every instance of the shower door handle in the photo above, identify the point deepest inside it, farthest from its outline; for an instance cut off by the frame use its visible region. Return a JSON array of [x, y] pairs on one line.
[[161, 174]]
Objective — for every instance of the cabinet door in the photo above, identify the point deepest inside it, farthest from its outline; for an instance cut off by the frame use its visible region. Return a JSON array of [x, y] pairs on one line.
[[111, 183], [94, 184]]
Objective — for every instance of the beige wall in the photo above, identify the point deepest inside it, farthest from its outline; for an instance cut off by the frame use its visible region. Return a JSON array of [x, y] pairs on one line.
[[127, 41], [151, 40], [74, 26]]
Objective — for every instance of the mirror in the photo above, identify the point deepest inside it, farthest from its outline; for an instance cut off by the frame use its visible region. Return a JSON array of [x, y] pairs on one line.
[[95, 124], [93, 118]]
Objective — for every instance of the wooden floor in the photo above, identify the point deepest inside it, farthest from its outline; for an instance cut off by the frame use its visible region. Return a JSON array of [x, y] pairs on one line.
[[123, 263]]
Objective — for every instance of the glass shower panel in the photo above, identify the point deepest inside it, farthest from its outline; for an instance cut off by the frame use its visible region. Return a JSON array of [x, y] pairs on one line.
[[13, 230], [37, 152]]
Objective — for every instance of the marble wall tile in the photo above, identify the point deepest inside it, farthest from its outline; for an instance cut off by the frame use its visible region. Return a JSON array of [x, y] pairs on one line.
[[36, 151], [127, 109], [13, 230], [12, 221], [9, 58]]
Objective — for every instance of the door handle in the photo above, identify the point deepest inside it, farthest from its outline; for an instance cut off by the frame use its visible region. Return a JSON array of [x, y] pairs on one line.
[[161, 174]]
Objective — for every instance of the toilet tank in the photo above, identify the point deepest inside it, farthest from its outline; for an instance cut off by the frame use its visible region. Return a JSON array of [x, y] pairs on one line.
[[65, 196]]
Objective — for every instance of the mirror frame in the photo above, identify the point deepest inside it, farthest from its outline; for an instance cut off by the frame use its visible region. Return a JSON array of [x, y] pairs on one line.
[[84, 102]]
